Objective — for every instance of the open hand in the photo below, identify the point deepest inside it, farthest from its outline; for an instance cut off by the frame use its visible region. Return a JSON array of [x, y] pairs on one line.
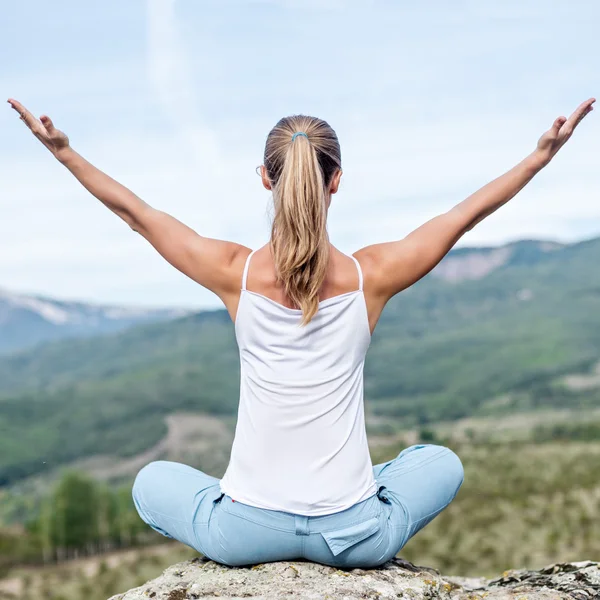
[[43, 129], [562, 129]]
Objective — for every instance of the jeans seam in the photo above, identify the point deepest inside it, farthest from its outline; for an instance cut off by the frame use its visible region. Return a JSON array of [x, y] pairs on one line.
[[417, 466], [437, 512], [190, 522], [199, 546], [217, 553], [256, 522], [434, 513]]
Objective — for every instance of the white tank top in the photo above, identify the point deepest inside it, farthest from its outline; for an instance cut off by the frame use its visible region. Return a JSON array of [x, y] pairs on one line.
[[300, 442]]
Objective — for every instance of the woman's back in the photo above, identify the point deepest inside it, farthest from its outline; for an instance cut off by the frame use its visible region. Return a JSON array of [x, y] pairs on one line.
[[300, 443]]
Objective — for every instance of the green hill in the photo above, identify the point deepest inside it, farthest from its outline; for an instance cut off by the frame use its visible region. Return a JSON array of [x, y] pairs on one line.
[[444, 349], [27, 320]]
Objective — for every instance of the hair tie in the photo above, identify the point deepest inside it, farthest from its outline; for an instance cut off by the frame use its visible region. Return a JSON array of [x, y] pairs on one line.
[[297, 134]]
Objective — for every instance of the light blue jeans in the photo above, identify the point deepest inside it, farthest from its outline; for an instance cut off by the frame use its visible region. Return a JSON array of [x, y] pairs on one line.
[[187, 505]]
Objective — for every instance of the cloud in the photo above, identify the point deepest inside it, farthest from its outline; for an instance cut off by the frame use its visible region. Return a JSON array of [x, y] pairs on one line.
[[169, 72]]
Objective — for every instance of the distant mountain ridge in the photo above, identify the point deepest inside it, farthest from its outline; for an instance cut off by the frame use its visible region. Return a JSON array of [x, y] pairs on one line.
[[28, 319]]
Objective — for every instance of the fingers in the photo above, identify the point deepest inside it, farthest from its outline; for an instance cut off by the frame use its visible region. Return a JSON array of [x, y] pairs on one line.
[[43, 128], [36, 127], [558, 123], [581, 111], [47, 123], [26, 116]]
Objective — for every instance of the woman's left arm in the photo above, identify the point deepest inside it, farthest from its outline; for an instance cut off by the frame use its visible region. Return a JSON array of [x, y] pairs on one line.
[[210, 262], [399, 264]]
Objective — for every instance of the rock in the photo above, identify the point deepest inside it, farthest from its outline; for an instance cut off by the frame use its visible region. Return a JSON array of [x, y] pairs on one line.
[[203, 578]]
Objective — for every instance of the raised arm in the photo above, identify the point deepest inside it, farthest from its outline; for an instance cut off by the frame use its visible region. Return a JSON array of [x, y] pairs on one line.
[[394, 266], [210, 262]]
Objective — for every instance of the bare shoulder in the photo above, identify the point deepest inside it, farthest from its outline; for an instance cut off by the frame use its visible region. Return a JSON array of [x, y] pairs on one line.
[[375, 290], [237, 255], [229, 292], [374, 261]]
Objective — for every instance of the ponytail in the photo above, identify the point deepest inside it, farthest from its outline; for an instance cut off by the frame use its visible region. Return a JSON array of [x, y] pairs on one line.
[[300, 168]]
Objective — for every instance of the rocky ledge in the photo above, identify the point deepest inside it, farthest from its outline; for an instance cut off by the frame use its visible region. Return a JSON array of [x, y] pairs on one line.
[[203, 578]]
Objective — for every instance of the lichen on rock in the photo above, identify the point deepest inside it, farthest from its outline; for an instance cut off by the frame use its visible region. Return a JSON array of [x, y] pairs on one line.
[[202, 578]]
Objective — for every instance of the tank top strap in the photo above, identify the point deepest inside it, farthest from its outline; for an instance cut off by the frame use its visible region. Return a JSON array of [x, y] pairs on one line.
[[360, 275], [245, 275]]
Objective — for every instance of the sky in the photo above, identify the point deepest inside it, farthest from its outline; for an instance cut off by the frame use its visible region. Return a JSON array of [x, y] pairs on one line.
[[175, 98]]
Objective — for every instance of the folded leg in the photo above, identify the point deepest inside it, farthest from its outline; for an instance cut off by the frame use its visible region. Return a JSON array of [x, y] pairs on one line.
[[420, 482], [173, 499]]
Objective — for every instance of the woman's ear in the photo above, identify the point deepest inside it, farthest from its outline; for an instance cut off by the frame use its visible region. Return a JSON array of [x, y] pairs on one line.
[[335, 182], [265, 179]]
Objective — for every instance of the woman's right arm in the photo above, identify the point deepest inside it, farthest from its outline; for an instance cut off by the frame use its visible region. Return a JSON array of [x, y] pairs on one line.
[[395, 266], [213, 263]]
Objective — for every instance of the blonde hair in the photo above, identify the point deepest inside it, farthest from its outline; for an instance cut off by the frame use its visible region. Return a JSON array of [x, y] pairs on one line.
[[300, 171]]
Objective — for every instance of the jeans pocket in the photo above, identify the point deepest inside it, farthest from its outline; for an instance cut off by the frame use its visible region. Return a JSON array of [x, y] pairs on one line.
[[339, 540]]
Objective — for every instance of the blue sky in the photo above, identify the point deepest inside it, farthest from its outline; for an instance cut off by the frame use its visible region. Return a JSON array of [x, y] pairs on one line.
[[174, 98]]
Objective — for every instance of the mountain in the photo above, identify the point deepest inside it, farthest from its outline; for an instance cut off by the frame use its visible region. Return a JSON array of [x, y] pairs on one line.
[[474, 263], [470, 344], [26, 320]]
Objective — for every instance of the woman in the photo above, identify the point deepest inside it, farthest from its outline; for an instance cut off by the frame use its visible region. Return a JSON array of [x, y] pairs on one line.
[[300, 483]]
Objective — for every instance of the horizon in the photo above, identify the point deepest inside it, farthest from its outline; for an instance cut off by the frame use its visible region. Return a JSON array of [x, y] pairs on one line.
[[424, 118]]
